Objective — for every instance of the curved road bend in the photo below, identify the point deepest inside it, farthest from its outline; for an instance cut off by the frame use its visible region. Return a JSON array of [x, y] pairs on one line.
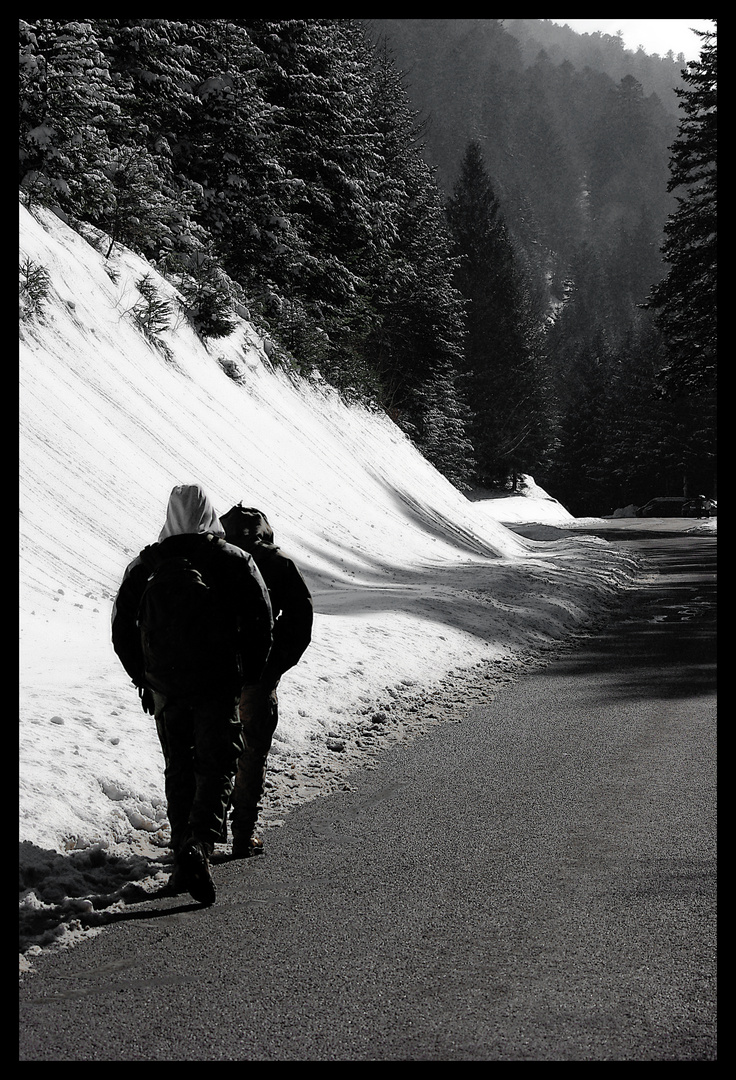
[[536, 883]]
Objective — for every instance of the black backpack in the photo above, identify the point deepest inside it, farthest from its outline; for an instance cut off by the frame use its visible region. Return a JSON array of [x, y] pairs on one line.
[[189, 643]]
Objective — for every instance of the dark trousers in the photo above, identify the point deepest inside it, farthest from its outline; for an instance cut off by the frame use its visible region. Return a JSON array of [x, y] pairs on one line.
[[259, 717], [201, 741]]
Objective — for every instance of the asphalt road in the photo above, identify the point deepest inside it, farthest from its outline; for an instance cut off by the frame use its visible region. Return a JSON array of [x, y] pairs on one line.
[[536, 883]]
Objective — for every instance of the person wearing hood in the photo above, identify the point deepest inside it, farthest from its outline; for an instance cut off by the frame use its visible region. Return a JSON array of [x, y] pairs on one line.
[[195, 706], [291, 602]]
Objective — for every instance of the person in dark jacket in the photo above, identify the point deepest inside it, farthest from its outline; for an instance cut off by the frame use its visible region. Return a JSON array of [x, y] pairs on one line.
[[199, 730], [291, 603]]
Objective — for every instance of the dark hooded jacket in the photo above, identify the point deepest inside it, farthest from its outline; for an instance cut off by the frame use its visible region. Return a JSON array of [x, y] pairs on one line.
[[291, 601], [193, 531]]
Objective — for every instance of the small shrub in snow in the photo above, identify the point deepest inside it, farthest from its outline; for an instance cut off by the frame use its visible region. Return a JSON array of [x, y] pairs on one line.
[[33, 285], [152, 314], [207, 299]]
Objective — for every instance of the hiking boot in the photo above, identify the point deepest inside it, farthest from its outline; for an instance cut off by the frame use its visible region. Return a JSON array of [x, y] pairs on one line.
[[245, 847], [193, 872], [176, 884]]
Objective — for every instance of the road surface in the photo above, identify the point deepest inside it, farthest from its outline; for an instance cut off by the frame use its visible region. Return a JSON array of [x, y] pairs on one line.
[[535, 883]]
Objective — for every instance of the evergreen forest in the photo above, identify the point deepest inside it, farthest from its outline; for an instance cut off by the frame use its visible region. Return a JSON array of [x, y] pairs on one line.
[[499, 232]]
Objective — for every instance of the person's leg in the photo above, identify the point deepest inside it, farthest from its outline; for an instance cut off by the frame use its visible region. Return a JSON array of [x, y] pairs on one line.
[[201, 741], [259, 719], [218, 745], [175, 729]]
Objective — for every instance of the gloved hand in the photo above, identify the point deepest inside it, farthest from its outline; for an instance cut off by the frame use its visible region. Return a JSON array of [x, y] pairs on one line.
[[146, 699]]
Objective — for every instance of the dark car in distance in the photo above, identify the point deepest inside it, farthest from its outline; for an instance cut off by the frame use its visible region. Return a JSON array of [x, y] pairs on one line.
[[678, 506], [670, 506], [700, 507]]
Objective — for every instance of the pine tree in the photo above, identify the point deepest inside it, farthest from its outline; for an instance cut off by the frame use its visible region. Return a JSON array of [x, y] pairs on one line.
[[227, 153], [417, 342], [550, 169], [152, 69], [644, 446], [67, 105], [685, 300], [627, 174], [86, 141], [501, 358], [298, 155], [154, 63], [578, 466]]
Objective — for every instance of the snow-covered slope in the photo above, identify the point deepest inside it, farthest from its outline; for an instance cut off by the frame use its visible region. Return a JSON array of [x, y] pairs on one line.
[[410, 578]]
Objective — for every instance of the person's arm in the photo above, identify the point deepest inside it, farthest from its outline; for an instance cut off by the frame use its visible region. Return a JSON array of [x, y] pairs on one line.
[[126, 638], [294, 613], [256, 621]]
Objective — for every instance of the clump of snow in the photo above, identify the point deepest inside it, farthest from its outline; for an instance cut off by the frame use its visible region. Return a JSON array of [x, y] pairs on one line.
[[530, 503], [412, 581]]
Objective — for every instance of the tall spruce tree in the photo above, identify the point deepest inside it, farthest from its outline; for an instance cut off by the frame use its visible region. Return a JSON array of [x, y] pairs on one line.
[[642, 440], [228, 153], [684, 302], [417, 341], [67, 105], [302, 82], [503, 376], [91, 143], [548, 166]]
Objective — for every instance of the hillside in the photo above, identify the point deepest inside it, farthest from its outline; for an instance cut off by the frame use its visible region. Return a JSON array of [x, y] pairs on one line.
[[183, 139], [411, 580]]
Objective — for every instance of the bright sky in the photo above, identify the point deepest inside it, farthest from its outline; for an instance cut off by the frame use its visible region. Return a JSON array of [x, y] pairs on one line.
[[655, 35]]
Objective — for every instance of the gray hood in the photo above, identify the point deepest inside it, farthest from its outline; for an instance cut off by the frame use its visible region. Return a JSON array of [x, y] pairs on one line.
[[190, 511]]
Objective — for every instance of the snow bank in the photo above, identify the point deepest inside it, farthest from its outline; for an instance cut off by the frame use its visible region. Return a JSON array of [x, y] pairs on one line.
[[411, 580]]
